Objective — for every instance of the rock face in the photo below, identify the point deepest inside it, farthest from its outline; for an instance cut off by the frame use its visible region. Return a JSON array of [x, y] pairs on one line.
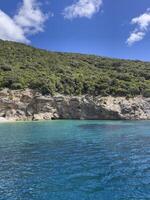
[[29, 105]]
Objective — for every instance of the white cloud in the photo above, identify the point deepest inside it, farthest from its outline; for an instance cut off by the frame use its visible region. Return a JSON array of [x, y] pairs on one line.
[[143, 23], [28, 20], [135, 37], [30, 17], [82, 8], [9, 30]]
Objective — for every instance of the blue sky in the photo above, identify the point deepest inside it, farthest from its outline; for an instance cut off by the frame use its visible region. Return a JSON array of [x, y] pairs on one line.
[[113, 28]]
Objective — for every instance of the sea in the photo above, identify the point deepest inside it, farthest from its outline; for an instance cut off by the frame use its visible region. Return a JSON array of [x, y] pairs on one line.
[[75, 160]]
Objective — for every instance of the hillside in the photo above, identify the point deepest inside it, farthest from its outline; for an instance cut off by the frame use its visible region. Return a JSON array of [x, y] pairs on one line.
[[23, 67]]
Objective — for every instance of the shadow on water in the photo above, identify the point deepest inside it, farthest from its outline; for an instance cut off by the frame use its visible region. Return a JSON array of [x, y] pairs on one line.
[[96, 127]]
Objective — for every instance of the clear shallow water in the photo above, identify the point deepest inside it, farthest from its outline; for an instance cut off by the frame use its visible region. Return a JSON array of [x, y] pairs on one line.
[[75, 160]]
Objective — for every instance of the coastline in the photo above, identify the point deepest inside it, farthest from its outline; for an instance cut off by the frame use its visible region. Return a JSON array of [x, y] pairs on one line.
[[6, 121], [29, 105]]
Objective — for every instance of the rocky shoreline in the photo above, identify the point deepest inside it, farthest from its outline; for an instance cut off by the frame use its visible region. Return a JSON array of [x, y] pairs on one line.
[[29, 105]]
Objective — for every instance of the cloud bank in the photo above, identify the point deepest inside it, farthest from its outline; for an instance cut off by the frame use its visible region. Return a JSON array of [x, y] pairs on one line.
[[142, 23], [82, 8], [28, 20], [9, 30]]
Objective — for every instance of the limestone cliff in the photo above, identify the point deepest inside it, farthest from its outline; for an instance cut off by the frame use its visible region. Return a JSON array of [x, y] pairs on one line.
[[27, 104]]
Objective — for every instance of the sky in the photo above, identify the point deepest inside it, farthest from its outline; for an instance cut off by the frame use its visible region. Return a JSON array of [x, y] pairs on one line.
[[112, 28]]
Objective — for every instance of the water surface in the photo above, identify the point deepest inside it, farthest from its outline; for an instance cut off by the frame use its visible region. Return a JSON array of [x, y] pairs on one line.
[[75, 160]]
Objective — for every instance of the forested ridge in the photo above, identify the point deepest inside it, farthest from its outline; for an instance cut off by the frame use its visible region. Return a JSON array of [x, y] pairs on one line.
[[23, 66]]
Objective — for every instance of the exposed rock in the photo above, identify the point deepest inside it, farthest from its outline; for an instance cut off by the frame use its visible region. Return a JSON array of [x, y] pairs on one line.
[[30, 105]]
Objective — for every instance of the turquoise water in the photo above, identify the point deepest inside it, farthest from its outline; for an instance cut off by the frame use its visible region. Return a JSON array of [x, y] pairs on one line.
[[75, 160]]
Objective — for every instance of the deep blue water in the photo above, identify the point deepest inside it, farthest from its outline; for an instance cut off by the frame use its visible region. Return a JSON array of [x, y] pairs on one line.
[[75, 160]]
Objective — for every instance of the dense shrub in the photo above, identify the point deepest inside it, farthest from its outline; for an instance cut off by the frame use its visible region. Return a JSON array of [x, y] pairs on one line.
[[16, 86], [146, 93], [5, 67], [23, 66]]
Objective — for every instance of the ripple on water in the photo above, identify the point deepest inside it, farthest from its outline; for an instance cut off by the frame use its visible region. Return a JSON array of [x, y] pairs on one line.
[[75, 160]]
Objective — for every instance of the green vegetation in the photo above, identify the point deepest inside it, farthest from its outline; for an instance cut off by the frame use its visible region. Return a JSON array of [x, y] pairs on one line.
[[23, 66]]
